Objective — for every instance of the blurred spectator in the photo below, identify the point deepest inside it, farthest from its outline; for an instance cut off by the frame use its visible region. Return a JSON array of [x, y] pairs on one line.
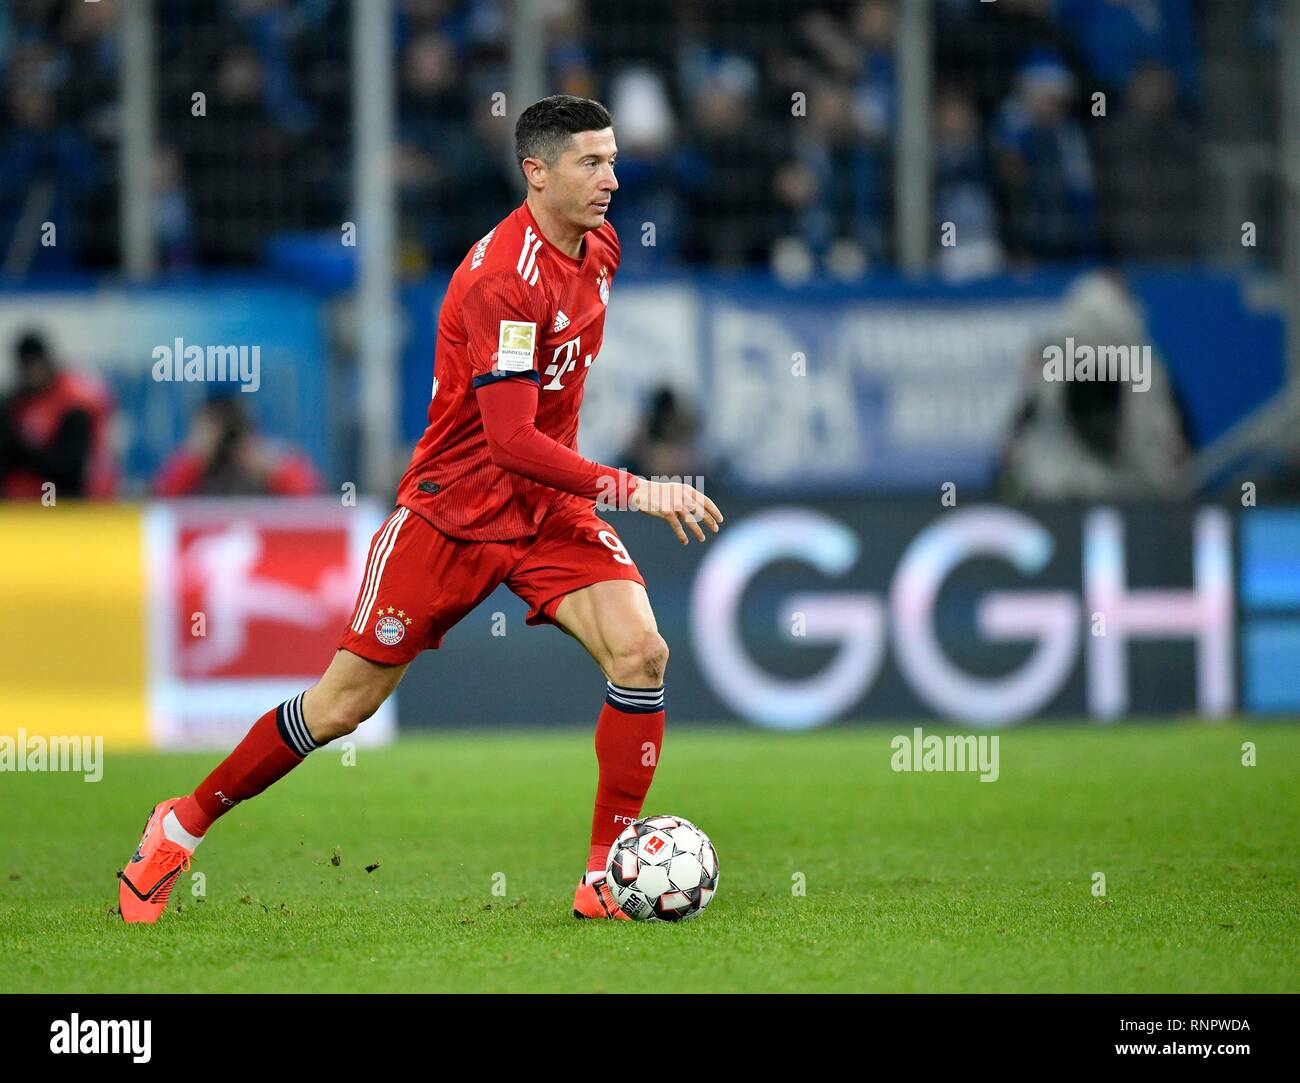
[[1265, 22], [665, 440], [835, 191], [721, 167], [241, 163], [49, 175], [271, 27], [981, 46], [572, 71], [449, 182], [861, 52], [729, 157], [224, 455], [1097, 439], [1150, 179], [55, 426], [831, 189], [175, 222], [1118, 36], [647, 168], [475, 28], [90, 34], [1045, 168], [871, 35], [964, 190]]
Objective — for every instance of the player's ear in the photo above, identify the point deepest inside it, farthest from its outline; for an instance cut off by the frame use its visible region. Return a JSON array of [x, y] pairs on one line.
[[534, 170]]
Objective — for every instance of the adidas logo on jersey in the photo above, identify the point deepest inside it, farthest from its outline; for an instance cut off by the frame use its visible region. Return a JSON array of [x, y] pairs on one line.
[[561, 322]]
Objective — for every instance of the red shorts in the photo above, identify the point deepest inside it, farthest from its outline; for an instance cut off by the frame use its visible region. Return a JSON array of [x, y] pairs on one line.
[[419, 582]]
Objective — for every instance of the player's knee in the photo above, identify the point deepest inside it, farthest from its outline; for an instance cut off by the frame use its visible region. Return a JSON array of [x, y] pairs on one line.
[[642, 658]]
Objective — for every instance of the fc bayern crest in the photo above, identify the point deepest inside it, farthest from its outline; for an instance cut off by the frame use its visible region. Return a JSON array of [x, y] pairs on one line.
[[389, 631], [602, 281]]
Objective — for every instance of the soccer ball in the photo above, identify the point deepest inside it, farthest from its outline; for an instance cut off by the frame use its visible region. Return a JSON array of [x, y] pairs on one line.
[[662, 868]]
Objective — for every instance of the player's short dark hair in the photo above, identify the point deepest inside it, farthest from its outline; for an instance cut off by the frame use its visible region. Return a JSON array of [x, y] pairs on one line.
[[545, 127]]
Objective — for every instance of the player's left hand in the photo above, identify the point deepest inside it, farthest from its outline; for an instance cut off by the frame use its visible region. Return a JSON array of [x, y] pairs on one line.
[[679, 505]]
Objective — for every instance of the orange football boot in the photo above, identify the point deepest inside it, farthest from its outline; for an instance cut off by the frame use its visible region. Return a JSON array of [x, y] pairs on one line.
[[596, 901], [146, 883]]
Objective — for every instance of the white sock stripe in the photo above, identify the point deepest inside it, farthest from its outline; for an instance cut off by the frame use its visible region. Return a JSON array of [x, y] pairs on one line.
[[633, 704], [363, 605], [291, 727], [649, 693], [633, 701], [307, 739], [298, 725], [382, 552]]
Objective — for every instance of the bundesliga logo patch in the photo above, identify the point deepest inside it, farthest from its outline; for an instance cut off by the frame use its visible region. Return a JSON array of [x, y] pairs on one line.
[[515, 346]]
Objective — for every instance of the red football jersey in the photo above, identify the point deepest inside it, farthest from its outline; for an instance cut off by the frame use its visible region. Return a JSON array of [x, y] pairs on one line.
[[516, 303]]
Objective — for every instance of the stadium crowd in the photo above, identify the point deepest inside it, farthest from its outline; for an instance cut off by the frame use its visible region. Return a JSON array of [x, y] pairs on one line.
[[752, 134], [715, 150]]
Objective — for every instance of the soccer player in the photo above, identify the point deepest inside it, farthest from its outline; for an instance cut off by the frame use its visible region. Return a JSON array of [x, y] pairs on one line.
[[496, 492]]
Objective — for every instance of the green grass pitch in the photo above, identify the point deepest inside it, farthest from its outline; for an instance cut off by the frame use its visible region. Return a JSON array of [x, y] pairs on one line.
[[914, 882]]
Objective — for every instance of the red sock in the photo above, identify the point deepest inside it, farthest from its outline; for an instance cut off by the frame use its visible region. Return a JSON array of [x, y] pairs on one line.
[[276, 744], [629, 738]]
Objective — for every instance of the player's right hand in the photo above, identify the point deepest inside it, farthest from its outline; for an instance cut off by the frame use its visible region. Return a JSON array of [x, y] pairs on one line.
[[676, 503]]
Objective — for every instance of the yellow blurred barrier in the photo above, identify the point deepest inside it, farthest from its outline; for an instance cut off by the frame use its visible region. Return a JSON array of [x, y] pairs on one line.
[[73, 653]]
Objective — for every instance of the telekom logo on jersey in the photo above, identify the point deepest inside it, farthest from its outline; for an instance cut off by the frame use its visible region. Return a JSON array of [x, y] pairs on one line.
[[860, 623], [564, 359]]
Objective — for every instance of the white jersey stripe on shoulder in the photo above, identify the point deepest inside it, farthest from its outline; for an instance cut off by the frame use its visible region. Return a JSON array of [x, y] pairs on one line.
[[523, 252], [530, 268], [377, 561]]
